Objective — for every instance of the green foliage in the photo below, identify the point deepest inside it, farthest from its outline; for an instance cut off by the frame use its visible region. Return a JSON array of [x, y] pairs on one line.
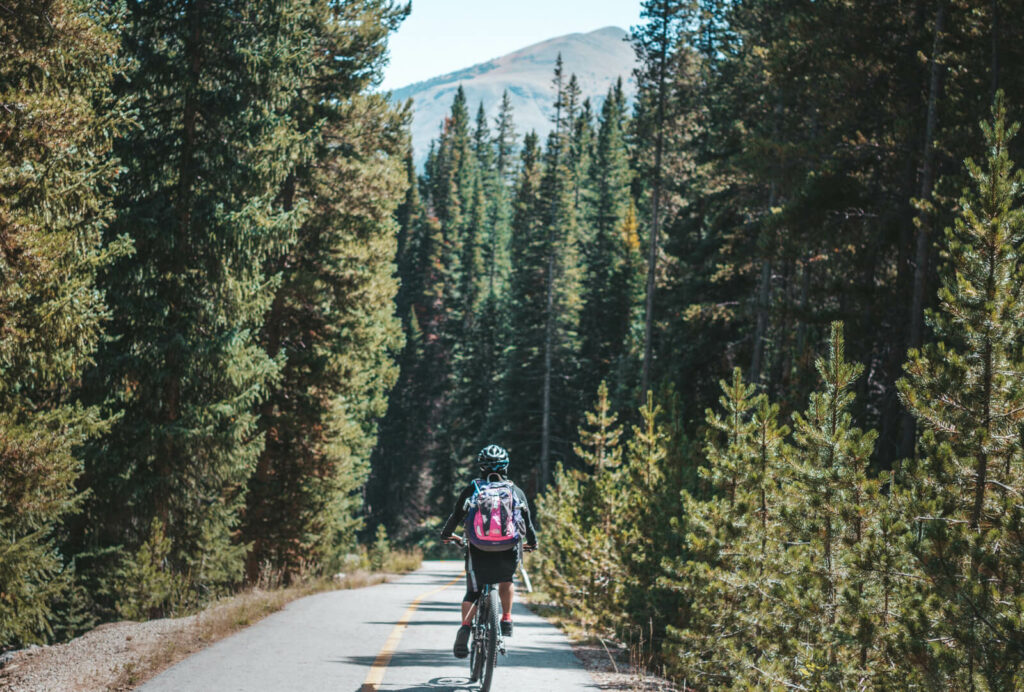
[[579, 565], [827, 516], [146, 586], [58, 120], [964, 630], [380, 549], [331, 322], [733, 540], [200, 200]]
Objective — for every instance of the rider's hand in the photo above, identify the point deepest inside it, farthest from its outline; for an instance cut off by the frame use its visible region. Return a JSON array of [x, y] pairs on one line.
[[530, 547]]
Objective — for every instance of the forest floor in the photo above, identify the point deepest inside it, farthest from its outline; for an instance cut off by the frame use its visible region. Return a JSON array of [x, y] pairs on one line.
[[120, 656]]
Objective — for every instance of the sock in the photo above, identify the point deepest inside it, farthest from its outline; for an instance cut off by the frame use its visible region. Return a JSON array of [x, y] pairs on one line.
[[506, 617], [467, 623]]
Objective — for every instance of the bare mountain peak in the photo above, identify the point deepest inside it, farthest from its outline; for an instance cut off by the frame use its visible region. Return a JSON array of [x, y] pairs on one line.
[[597, 58]]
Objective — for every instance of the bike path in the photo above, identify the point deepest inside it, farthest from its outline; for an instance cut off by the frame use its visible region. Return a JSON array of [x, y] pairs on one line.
[[331, 641]]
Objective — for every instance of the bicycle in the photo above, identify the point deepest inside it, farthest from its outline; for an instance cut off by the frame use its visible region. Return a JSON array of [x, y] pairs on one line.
[[485, 636]]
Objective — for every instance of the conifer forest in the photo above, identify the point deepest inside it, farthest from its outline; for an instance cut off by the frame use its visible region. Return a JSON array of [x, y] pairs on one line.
[[754, 338]]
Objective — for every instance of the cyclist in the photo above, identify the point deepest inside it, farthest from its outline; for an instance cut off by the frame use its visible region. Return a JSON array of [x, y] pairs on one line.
[[483, 567]]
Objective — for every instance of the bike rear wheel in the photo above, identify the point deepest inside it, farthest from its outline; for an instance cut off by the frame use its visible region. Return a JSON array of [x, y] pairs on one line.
[[476, 655], [492, 622], [478, 641]]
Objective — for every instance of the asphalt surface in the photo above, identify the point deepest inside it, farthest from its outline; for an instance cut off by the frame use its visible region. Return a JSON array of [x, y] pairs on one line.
[[330, 641]]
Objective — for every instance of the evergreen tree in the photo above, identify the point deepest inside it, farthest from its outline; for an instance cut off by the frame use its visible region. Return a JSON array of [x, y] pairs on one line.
[[392, 483], [964, 391], [201, 202], [561, 274], [581, 568], [57, 123], [521, 408], [504, 139], [827, 511], [643, 536], [655, 43], [734, 539], [609, 282], [332, 321]]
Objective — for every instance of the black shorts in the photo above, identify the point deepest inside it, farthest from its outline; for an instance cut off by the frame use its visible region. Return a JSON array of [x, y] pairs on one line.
[[483, 567]]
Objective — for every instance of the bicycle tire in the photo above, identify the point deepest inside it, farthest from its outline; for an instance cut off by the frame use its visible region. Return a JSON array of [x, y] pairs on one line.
[[477, 642], [493, 624], [476, 656]]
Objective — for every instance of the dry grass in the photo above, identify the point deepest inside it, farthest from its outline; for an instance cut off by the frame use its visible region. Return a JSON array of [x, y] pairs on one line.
[[402, 561]]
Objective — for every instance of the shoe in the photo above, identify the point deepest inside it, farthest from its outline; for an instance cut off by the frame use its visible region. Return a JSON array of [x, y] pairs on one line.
[[506, 628], [461, 649]]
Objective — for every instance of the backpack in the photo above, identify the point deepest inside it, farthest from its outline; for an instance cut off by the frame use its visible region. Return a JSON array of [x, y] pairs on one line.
[[494, 521]]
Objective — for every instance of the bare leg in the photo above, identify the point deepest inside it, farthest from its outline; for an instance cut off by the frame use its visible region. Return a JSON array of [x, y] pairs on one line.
[[468, 609], [506, 591]]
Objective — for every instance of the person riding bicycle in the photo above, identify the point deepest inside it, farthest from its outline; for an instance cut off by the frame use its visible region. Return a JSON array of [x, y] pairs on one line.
[[485, 567]]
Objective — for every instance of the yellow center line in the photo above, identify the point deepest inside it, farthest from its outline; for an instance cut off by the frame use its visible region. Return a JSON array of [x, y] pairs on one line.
[[376, 675]]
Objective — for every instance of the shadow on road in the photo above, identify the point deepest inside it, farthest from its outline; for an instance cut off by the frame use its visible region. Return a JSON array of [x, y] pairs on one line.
[[443, 684], [526, 657], [454, 622]]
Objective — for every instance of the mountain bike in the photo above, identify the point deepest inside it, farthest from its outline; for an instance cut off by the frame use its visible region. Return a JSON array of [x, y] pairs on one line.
[[485, 637]]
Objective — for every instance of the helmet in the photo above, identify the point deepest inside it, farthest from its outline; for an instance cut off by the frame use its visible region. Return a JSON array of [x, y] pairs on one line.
[[492, 458]]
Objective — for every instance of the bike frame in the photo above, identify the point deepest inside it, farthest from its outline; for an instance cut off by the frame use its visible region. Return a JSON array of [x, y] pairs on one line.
[[486, 641]]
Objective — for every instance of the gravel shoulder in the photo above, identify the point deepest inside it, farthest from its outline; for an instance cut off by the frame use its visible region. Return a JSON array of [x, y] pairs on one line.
[[121, 656]]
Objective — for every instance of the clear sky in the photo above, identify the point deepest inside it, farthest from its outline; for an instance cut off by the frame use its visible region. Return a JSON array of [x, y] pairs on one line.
[[442, 36]]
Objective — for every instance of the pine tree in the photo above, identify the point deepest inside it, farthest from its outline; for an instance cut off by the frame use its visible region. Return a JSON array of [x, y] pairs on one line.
[[201, 200], [964, 392], [453, 187], [57, 123], [392, 483], [733, 541], [656, 44], [828, 513], [331, 321], [583, 569], [561, 272], [643, 536], [521, 406], [504, 139], [609, 282]]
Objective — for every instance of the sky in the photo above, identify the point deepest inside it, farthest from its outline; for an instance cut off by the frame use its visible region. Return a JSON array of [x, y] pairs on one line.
[[442, 36]]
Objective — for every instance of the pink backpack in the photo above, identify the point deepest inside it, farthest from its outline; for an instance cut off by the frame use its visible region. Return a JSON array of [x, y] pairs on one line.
[[494, 520]]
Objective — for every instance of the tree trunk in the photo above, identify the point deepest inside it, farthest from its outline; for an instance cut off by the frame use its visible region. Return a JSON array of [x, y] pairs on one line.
[[994, 67], [764, 284], [549, 320], [763, 298], [923, 239], [652, 253]]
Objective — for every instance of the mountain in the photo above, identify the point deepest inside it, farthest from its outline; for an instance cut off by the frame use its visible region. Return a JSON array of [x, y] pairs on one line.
[[597, 58]]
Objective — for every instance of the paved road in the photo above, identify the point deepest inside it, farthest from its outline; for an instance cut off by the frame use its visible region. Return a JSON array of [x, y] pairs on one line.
[[330, 641]]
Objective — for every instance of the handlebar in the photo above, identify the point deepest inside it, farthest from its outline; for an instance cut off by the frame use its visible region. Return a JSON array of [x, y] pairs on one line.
[[455, 538]]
